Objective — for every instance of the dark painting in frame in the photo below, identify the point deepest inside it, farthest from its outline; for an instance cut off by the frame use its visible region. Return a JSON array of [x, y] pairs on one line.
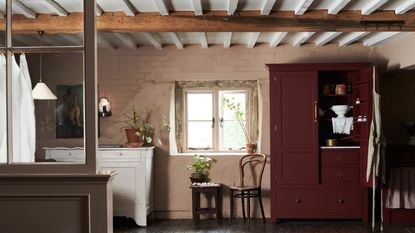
[[70, 111]]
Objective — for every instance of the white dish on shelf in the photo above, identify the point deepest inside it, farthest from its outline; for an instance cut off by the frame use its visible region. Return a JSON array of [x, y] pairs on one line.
[[340, 110]]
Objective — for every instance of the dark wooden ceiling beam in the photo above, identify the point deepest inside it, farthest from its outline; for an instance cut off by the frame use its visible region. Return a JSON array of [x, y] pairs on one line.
[[252, 21]]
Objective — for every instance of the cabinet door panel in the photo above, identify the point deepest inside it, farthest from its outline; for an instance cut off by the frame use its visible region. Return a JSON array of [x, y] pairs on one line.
[[294, 141], [297, 167]]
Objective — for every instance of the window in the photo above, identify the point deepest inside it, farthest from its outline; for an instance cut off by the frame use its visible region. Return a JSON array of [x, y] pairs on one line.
[[209, 124]]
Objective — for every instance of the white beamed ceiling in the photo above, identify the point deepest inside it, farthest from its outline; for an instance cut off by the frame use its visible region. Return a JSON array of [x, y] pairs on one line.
[[194, 38], [210, 5]]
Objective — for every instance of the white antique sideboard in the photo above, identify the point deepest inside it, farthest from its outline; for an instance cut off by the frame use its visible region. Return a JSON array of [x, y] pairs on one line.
[[132, 187]]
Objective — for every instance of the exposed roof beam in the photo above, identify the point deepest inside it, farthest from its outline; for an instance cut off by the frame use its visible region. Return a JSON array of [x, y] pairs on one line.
[[232, 6], [197, 7], [326, 37], [372, 6], [277, 38], [405, 7], [104, 42], [302, 7], [337, 6], [161, 6], [267, 7], [176, 40], [379, 38], [99, 10], [227, 40], [128, 7], [203, 40], [153, 40], [253, 37], [55, 7], [126, 39], [24, 10], [351, 37], [301, 38], [277, 21]]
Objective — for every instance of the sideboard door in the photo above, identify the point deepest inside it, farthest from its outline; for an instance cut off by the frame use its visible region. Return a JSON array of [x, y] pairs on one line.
[[295, 125]]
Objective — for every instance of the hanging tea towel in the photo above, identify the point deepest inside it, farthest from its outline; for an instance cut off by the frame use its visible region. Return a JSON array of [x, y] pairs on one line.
[[342, 125]]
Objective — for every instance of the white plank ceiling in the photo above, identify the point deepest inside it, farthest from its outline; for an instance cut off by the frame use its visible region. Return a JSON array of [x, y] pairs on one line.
[[29, 8]]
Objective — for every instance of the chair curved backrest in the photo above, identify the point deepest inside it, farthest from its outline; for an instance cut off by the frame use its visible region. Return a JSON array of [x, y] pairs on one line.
[[253, 160]]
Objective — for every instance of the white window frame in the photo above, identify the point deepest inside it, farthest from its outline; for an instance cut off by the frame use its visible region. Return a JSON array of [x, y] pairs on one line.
[[217, 114]]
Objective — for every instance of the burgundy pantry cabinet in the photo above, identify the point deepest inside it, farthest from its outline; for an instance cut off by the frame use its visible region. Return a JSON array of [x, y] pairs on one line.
[[310, 179]]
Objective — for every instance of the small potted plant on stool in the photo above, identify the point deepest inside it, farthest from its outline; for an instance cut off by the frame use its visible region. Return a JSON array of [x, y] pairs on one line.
[[200, 168]]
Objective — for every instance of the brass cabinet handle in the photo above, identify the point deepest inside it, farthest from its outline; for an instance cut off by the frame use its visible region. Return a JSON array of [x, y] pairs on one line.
[[341, 201], [298, 201], [315, 111], [339, 176]]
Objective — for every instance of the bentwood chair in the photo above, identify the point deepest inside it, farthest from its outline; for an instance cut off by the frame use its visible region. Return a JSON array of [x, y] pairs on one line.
[[254, 164]]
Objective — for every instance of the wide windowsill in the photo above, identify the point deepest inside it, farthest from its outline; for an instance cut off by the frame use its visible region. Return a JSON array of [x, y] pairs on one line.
[[219, 153]]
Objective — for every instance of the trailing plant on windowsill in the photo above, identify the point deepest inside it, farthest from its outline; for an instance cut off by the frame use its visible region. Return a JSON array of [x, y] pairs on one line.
[[239, 116]]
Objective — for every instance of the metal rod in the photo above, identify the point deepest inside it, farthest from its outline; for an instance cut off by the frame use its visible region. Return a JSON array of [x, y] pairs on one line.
[[46, 49]]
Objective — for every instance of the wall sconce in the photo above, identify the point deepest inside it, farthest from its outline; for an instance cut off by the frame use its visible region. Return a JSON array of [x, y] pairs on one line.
[[104, 107]]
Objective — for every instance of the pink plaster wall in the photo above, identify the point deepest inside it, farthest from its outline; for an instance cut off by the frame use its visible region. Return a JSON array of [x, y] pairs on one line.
[[142, 77]]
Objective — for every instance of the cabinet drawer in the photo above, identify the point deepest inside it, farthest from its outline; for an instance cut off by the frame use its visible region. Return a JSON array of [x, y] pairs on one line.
[[135, 155], [65, 155], [319, 201], [335, 157], [340, 175]]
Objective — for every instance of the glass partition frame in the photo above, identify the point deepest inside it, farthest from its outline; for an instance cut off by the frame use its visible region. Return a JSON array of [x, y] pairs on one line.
[[89, 50]]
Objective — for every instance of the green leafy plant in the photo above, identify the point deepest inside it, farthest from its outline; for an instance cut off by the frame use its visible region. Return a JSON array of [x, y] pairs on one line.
[[200, 166], [238, 115], [146, 131]]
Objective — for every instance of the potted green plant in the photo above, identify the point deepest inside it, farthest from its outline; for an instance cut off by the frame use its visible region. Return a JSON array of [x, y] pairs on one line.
[[141, 133], [238, 115], [134, 123], [200, 169]]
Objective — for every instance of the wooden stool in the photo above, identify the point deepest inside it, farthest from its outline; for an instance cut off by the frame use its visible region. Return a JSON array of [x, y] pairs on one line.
[[197, 210]]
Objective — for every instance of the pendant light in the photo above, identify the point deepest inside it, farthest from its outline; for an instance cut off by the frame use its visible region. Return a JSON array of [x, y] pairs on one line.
[[41, 90]]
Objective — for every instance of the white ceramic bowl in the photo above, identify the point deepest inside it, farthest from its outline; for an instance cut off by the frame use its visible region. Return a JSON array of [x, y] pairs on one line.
[[340, 110]]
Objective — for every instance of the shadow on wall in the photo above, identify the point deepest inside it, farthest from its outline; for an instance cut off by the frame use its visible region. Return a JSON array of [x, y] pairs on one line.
[[397, 104], [153, 99]]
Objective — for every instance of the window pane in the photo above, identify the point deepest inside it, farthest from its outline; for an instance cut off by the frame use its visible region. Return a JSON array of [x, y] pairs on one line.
[[232, 136], [199, 134], [199, 106], [42, 123], [237, 98]]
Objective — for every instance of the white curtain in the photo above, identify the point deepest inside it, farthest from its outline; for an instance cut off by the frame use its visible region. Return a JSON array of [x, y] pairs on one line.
[[27, 115], [3, 112], [172, 121], [24, 126], [263, 117]]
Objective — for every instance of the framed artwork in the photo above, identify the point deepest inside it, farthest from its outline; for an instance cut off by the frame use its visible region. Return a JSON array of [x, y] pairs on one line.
[[70, 111]]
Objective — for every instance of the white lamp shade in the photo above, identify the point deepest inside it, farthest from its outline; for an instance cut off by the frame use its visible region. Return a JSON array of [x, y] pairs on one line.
[[42, 92]]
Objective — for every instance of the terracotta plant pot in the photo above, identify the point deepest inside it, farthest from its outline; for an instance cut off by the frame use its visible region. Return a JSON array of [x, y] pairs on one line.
[[250, 148], [131, 135]]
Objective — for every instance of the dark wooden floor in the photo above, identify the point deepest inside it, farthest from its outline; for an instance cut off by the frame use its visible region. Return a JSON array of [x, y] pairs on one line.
[[238, 226]]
